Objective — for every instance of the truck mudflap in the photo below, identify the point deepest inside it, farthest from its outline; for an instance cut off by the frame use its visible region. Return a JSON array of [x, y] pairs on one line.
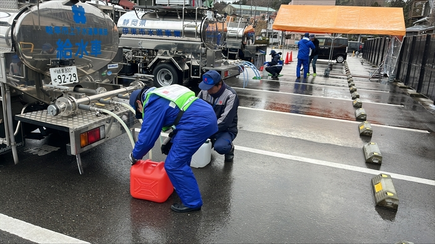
[[86, 129]]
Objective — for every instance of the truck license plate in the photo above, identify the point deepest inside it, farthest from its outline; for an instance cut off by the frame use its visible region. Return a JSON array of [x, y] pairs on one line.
[[64, 75]]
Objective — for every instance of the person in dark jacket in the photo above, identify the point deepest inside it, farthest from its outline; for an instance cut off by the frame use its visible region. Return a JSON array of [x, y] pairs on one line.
[[274, 67], [160, 108], [225, 103], [314, 54], [304, 46]]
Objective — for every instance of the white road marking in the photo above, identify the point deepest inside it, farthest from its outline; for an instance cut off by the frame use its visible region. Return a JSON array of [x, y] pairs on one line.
[[333, 98], [32, 232], [336, 165], [332, 119]]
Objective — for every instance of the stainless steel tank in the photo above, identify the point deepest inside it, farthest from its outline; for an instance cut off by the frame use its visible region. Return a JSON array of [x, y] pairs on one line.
[[236, 30], [6, 21], [58, 31], [170, 25]]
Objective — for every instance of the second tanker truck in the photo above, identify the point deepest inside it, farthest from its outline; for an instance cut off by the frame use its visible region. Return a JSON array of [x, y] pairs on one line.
[[174, 44]]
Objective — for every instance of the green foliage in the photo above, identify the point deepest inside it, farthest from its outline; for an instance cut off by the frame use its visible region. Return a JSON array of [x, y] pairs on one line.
[[406, 9], [397, 3], [343, 2], [275, 4], [406, 6], [373, 3]]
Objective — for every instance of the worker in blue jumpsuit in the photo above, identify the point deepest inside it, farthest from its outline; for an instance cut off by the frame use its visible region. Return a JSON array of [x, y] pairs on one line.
[[194, 120], [304, 55]]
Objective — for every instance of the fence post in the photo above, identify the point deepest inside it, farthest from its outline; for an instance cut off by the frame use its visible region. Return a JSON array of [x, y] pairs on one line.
[[411, 56], [399, 60], [384, 42], [423, 63], [377, 50]]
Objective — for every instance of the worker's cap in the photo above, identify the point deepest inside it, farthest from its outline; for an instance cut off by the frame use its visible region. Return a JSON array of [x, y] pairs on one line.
[[272, 52], [46, 47], [312, 35], [139, 94], [307, 34], [209, 79]]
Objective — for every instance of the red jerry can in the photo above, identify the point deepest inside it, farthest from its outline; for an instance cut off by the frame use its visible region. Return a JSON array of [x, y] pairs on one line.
[[149, 181]]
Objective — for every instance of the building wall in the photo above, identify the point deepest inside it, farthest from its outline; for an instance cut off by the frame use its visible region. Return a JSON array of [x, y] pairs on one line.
[[312, 2]]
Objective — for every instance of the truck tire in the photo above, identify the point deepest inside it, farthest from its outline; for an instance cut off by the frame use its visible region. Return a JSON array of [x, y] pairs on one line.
[[339, 58], [165, 75]]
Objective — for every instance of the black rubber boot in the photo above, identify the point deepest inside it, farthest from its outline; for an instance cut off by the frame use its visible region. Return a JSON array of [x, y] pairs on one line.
[[230, 156]]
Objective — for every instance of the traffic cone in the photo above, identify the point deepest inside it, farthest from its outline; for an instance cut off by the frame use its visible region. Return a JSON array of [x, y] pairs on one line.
[[286, 58], [291, 56], [262, 67]]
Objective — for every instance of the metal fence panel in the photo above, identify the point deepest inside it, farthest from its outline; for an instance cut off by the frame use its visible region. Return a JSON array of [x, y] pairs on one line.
[[417, 57], [416, 66], [428, 80], [431, 52], [381, 50], [428, 88]]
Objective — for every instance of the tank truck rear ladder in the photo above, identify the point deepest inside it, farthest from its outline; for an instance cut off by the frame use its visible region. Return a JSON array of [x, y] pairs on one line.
[[233, 45]]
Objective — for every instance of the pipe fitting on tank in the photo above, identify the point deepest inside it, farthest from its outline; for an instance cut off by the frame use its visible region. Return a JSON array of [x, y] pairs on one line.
[[67, 105], [63, 106]]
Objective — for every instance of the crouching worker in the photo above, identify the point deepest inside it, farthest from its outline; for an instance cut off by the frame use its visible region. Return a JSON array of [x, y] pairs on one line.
[[194, 121], [225, 103], [274, 67]]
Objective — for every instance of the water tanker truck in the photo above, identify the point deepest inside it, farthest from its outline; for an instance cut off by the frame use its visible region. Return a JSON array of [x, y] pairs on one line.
[[174, 44], [58, 66]]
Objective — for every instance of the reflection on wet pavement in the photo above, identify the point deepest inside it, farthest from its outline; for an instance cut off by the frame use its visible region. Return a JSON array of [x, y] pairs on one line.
[[330, 97]]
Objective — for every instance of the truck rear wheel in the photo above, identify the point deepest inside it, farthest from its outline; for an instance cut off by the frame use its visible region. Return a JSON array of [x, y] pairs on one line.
[[165, 75]]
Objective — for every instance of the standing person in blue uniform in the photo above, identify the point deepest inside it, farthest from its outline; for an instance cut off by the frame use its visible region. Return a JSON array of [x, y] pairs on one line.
[[194, 121], [15, 67], [314, 54], [304, 46], [225, 103], [274, 67]]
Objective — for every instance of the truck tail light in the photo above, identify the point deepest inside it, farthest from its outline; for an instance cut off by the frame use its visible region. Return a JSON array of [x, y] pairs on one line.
[[91, 136]]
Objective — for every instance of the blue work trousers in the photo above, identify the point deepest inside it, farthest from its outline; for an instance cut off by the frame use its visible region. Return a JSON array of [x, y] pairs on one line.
[[196, 126], [274, 70], [222, 142], [177, 166], [305, 63]]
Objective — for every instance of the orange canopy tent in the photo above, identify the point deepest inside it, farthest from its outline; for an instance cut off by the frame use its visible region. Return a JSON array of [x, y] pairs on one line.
[[340, 19]]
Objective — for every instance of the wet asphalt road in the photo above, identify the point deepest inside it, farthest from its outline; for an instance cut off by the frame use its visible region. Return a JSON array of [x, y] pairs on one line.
[[299, 174]]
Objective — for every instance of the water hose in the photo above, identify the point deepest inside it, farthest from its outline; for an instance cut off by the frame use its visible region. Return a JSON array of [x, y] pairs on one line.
[[119, 103], [19, 122], [126, 106], [252, 66], [101, 110], [150, 153]]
